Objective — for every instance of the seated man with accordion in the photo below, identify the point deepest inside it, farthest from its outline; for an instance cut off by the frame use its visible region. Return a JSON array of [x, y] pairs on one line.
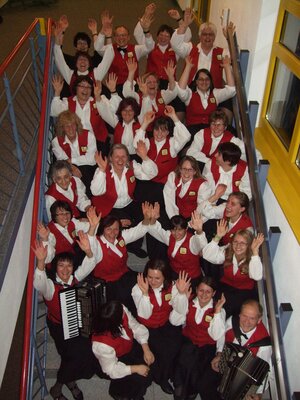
[[241, 370]]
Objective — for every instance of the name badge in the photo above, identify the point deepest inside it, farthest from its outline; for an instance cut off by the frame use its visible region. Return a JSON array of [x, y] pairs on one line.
[[219, 57], [73, 234], [168, 296], [121, 243], [237, 183], [130, 54], [160, 100], [208, 318], [192, 193], [182, 250], [95, 105], [132, 179], [164, 152], [212, 100], [83, 149]]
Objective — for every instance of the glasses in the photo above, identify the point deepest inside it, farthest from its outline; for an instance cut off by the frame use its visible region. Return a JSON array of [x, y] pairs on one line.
[[85, 87], [62, 214], [217, 124], [203, 79], [241, 244], [187, 169], [207, 34]]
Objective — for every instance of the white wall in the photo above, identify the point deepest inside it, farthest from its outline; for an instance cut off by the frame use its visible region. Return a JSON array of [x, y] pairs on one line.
[[13, 285]]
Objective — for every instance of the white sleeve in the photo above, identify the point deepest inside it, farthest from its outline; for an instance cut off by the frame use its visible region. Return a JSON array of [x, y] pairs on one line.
[[241, 145], [197, 243], [99, 44], [61, 64], [204, 193], [209, 176], [106, 112], [128, 91], [140, 134], [224, 94], [213, 253], [98, 184], [87, 266], [244, 186], [185, 95], [58, 106], [216, 327], [135, 233], [159, 233], [96, 248], [51, 244], [143, 305], [81, 225], [145, 171], [101, 70], [142, 50], [181, 136], [138, 33], [209, 211], [169, 196], [58, 151], [196, 147], [83, 200], [169, 95], [43, 284], [255, 268], [179, 302], [179, 45], [140, 332], [49, 200]]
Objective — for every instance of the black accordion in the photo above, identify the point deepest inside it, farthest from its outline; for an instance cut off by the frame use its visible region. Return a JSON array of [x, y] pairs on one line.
[[242, 372], [79, 305]]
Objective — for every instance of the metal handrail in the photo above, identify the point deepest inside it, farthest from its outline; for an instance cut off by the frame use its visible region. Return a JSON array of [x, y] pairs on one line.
[[261, 225]]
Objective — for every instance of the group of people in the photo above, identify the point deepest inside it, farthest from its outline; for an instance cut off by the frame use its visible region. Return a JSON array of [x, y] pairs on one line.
[[148, 159]]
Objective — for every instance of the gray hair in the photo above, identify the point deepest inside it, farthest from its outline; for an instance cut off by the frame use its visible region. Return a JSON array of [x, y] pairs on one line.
[[208, 25]]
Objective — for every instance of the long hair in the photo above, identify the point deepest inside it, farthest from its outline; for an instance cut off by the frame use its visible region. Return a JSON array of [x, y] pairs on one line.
[[109, 319], [243, 200], [209, 281], [244, 264], [163, 267], [207, 73], [128, 102], [193, 163]]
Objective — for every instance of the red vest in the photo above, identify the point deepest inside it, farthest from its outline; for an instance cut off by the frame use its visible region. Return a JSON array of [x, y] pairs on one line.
[[98, 125], [216, 68], [119, 66], [188, 203], [184, 259], [259, 333], [160, 314], [119, 344], [198, 333], [53, 306], [119, 129], [52, 191], [111, 267], [164, 161], [236, 176], [196, 113], [75, 76], [82, 143], [243, 223], [238, 281], [106, 201], [226, 137], [62, 243], [157, 61]]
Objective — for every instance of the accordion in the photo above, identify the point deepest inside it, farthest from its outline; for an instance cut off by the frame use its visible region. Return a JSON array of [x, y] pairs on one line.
[[79, 305], [242, 372]]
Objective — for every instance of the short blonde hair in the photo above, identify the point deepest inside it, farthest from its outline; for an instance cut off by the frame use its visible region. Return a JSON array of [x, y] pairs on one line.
[[208, 25], [67, 117]]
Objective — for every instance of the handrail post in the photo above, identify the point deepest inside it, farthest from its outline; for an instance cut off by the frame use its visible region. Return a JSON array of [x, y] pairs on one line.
[[35, 72], [14, 124]]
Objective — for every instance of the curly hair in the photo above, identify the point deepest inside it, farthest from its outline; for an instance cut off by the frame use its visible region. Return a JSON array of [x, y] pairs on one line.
[[67, 117]]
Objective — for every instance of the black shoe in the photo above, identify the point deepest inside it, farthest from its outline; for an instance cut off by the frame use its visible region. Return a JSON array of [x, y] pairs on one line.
[[140, 253], [167, 388], [76, 392]]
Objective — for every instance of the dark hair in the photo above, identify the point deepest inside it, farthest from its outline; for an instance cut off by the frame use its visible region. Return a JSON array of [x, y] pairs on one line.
[[83, 54], [64, 256], [230, 152], [164, 122], [108, 221], [218, 114], [242, 198], [109, 318], [209, 281], [126, 102], [193, 163], [207, 73], [163, 267], [59, 165], [59, 204], [253, 303], [83, 78], [178, 221], [165, 28], [82, 36]]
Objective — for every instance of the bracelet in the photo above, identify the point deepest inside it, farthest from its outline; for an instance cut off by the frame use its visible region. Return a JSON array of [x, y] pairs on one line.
[[95, 34], [218, 238], [179, 19], [108, 37], [145, 32]]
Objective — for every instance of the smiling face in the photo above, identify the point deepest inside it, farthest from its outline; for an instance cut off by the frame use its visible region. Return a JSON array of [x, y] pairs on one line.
[[187, 171], [119, 160], [127, 114], [82, 45], [70, 130], [217, 127], [62, 178], [207, 38], [249, 317], [204, 294], [62, 217], [203, 82], [82, 63], [233, 208], [121, 36], [152, 85], [112, 232], [163, 38], [160, 133], [178, 233], [239, 246], [83, 91], [64, 270], [155, 278]]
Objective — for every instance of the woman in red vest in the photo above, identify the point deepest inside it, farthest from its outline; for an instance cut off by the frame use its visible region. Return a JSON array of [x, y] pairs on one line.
[[204, 98], [75, 145], [120, 344], [185, 189], [241, 262], [77, 359], [204, 325], [153, 297]]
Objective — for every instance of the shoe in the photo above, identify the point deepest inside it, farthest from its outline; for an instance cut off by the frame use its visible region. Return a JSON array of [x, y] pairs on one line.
[[76, 392], [140, 253], [55, 395], [167, 388]]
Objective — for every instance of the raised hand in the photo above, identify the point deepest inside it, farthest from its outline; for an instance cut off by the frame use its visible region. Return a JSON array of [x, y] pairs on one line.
[[170, 70], [229, 28], [222, 228], [125, 222], [84, 243], [183, 283], [147, 211], [174, 14], [97, 90], [142, 86], [43, 231], [92, 26], [256, 243], [57, 83], [226, 62], [188, 16], [141, 150], [92, 216], [107, 23], [155, 211], [189, 62], [63, 22], [40, 253], [170, 112], [196, 222], [111, 82], [150, 9], [220, 303], [146, 22], [101, 162], [143, 284]]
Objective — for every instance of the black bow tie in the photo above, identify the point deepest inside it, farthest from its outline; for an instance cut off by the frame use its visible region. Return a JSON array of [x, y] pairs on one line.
[[244, 335], [122, 49]]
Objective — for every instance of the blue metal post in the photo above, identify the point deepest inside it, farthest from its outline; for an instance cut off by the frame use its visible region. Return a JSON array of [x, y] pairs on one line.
[[35, 72], [285, 312], [253, 110], [274, 234], [263, 169], [244, 58]]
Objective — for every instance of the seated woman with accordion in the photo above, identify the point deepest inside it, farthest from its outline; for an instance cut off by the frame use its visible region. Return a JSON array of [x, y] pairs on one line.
[[77, 359]]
